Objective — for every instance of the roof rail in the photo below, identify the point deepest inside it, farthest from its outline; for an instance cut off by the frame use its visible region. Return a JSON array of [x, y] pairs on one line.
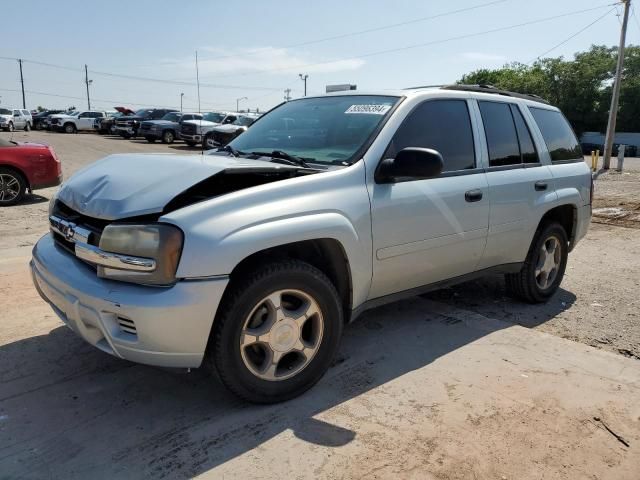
[[491, 89]]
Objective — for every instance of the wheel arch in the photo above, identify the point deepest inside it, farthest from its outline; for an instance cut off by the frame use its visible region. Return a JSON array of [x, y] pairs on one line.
[[326, 254], [17, 170], [567, 216]]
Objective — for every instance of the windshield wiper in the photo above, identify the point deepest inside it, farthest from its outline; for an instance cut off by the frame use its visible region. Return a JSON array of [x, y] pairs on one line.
[[231, 150], [280, 155]]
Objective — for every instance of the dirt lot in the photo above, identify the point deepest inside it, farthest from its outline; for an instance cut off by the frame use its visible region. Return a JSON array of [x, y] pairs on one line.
[[462, 383]]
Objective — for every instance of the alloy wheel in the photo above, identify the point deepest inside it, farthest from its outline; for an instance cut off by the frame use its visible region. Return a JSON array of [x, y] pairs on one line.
[[548, 263], [9, 187], [281, 335]]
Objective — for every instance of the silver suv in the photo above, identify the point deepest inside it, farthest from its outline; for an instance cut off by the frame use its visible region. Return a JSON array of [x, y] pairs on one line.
[[12, 119], [251, 259]]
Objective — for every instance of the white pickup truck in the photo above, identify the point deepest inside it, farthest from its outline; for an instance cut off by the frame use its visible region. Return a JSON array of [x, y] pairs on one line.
[[75, 122]]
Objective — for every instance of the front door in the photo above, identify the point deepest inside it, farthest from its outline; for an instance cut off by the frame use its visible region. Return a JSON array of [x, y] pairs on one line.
[[425, 231]]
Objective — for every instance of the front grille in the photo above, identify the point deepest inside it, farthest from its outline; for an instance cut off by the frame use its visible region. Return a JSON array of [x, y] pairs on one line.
[[127, 325], [124, 123], [188, 129]]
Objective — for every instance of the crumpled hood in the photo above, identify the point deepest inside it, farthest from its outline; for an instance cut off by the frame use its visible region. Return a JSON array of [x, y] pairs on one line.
[[130, 185]]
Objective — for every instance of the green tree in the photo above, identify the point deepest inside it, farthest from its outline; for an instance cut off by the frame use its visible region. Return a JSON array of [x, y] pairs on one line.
[[580, 87]]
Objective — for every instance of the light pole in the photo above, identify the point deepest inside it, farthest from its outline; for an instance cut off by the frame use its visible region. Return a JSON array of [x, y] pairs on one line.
[[238, 103], [304, 79], [181, 95], [88, 82]]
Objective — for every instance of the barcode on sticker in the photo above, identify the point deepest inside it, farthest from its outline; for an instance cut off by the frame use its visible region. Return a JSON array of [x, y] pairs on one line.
[[370, 109]]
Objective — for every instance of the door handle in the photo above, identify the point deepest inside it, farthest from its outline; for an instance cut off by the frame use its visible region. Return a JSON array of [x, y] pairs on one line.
[[540, 186], [473, 195]]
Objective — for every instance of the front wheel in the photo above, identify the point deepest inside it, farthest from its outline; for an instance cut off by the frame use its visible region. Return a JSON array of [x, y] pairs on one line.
[[190, 143], [12, 187], [11, 127], [168, 137], [209, 142], [277, 332], [70, 128], [544, 267], [27, 127]]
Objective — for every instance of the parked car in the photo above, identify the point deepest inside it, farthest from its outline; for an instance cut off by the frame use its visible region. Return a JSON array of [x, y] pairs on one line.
[[167, 128], [26, 166], [193, 131], [39, 118], [249, 260], [128, 126], [11, 119], [107, 125], [75, 122], [222, 134]]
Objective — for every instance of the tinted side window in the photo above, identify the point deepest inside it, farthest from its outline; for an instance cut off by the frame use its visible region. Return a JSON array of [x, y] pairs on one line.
[[527, 148], [443, 125], [500, 131], [558, 135]]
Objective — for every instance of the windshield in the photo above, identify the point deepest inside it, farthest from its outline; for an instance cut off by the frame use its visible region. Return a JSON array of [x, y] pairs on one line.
[[4, 111], [214, 117], [142, 113], [172, 116], [244, 121], [326, 130]]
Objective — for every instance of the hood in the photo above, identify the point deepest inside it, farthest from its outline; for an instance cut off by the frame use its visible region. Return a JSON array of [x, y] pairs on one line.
[[229, 128], [202, 123], [131, 185], [132, 117], [60, 115], [124, 110], [159, 122], [6, 115]]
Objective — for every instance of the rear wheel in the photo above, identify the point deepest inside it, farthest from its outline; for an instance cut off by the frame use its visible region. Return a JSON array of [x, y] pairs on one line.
[[544, 267], [277, 332], [12, 187], [168, 137]]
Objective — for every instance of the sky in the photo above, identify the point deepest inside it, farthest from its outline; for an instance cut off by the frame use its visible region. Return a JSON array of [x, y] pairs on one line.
[[142, 53]]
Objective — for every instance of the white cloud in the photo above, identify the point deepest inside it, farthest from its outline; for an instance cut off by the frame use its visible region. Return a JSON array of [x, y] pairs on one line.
[[215, 61], [484, 57]]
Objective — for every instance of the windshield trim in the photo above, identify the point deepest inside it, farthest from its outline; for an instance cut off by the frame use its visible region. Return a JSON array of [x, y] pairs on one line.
[[359, 153]]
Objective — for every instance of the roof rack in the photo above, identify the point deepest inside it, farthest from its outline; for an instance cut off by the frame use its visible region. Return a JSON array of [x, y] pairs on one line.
[[491, 89]]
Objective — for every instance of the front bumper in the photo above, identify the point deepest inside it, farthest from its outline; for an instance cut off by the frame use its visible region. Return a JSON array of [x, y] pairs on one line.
[[190, 138], [125, 130], [167, 327]]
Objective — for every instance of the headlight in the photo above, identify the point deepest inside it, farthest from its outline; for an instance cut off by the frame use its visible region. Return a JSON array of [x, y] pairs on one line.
[[159, 242]]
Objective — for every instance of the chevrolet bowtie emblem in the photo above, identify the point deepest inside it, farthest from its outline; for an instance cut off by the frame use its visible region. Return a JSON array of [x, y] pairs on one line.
[[69, 231]]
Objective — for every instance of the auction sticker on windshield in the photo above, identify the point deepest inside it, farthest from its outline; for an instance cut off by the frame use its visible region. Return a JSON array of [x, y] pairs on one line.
[[370, 109]]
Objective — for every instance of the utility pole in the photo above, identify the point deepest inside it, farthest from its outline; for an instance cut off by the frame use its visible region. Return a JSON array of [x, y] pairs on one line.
[[198, 81], [24, 103], [304, 79], [181, 95], [287, 94], [615, 97], [87, 82]]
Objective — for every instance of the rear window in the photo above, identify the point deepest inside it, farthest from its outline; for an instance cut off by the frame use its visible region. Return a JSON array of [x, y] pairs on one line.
[[558, 135]]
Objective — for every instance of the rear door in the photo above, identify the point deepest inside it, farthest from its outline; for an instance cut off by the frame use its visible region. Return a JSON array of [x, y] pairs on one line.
[[520, 185], [18, 119], [427, 230]]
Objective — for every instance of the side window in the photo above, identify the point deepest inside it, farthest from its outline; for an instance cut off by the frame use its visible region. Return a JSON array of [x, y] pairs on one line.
[[443, 125], [558, 135], [25, 112], [84, 115], [16, 112], [500, 130], [527, 148]]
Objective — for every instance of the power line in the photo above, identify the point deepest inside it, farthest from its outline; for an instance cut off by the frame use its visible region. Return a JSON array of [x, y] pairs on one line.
[[420, 45], [359, 32], [572, 36]]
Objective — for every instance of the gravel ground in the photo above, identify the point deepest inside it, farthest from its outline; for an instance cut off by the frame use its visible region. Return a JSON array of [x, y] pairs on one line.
[[597, 305]]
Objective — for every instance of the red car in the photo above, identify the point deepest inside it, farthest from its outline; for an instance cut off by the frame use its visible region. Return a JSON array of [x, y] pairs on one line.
[[26, 166]]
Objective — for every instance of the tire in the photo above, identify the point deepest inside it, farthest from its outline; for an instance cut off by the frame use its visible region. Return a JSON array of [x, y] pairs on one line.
[[297, 285], [11, 127], [209, 142], [27, 127], [150, 139], [13, 187], [190, 143], [69, 128], [39, 126], [168, 137], [535, 287], [112, 130]]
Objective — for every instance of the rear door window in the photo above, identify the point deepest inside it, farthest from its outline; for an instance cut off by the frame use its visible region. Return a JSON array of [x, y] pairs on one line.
[[500, 130], [527, 147], [443, 125], [558, 135]]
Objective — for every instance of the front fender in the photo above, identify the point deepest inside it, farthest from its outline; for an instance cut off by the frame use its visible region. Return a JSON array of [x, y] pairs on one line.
[[222, 257]]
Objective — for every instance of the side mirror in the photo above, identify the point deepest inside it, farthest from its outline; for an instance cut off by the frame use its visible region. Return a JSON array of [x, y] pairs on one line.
[[411, 163]]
